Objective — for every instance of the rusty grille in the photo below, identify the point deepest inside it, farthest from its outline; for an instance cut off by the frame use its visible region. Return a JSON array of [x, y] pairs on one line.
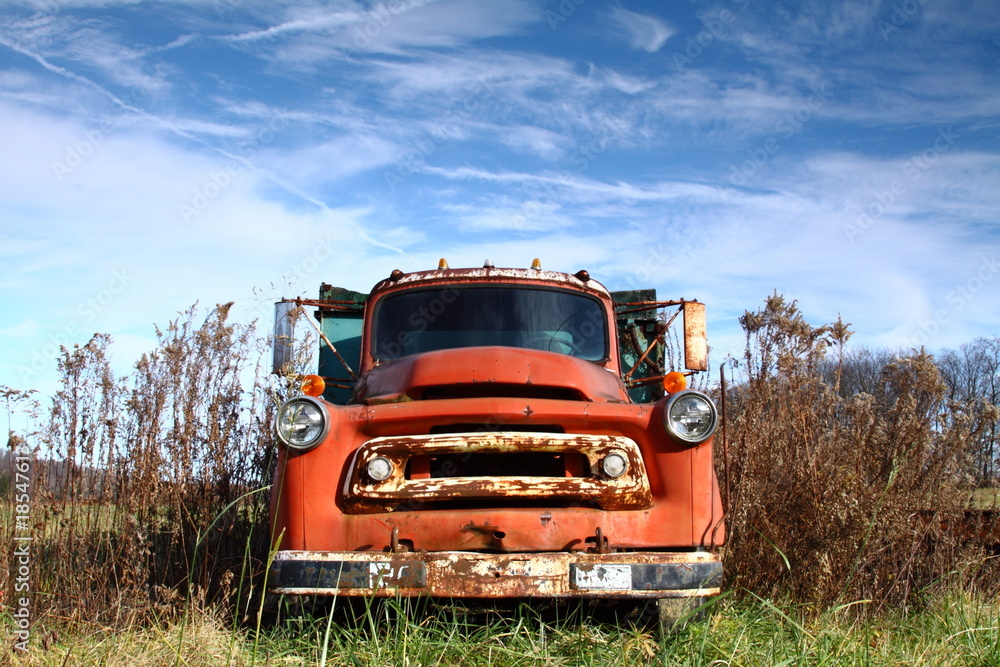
[[501, 468], [498, 464]]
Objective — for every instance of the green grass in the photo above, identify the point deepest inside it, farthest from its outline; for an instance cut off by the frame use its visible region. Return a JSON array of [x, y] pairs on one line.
[[953, 629]]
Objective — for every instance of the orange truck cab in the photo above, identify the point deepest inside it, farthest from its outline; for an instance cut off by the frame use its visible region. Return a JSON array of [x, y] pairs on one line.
[[497, 433]]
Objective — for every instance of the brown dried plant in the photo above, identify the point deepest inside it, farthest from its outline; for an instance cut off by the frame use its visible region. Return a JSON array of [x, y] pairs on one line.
[[148, 489], [838, 498]]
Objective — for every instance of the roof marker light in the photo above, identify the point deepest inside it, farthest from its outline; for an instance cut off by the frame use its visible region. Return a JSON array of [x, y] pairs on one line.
[[536, 264], [442, 264], [488, 264]]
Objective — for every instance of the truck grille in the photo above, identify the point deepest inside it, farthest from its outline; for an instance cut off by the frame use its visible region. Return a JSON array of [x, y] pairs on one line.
[[498, 464], [497, 469]]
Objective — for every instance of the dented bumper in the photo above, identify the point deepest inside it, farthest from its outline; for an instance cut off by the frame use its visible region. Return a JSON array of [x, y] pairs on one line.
[[485, 575]]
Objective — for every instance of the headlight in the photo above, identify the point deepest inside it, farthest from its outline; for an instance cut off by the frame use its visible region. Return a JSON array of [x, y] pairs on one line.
[[379, 468], [690, 416], [302, 423], [614, 464]]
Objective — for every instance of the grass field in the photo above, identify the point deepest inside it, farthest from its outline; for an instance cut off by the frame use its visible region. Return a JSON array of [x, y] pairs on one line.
[[953, 629]]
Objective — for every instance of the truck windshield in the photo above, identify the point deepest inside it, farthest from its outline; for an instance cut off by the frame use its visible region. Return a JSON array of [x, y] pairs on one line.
[[459, 316]]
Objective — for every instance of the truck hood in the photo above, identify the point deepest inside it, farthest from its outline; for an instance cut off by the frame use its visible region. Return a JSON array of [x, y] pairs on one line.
[[483, 372]]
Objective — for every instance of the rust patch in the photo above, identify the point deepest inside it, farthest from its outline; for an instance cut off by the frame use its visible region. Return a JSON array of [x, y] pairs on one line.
[[695, 338], [485, 529]]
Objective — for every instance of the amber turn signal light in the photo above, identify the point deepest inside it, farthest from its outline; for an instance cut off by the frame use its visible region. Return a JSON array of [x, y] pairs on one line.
[[313, 385], [674, 382]]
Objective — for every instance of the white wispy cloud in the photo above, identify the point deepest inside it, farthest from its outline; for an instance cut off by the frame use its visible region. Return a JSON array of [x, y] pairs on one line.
[[640, 30], [177, 43], [90, 45], [452, 23], [525, 216], [314, 34], [536, 140], [334, 159], [313, 20]]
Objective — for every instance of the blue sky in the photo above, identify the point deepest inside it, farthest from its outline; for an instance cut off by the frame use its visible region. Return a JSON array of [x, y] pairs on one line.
[[152, 155]]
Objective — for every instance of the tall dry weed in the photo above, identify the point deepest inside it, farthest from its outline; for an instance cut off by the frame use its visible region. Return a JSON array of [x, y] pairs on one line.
[[839, 497], [148, 488]]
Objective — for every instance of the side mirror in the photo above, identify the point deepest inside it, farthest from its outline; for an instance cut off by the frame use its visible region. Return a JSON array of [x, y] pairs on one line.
[[695, 338], [285, 314]]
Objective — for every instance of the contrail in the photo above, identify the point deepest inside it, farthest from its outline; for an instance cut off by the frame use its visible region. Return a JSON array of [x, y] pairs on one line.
[[277, 180]]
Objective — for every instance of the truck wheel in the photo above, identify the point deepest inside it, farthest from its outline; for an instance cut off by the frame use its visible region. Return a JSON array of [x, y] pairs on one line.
[[676, 613], [277, 610], [263, 606]]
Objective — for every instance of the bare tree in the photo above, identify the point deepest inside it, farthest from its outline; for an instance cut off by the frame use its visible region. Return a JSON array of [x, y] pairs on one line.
[[972, 373], [860, 371]]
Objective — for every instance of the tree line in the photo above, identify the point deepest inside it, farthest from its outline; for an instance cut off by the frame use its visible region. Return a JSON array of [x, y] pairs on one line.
[[971, 375]]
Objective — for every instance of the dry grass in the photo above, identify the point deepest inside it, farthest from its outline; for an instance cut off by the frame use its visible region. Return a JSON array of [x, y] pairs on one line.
[[200, 640]]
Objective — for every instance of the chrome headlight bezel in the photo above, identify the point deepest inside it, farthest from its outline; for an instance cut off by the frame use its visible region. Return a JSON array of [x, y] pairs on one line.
[[614, 464], [301, 404], [380, 468], [673, 414]]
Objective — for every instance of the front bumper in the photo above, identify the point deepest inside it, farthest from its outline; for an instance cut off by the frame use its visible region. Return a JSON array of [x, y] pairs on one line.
[[488, 575]]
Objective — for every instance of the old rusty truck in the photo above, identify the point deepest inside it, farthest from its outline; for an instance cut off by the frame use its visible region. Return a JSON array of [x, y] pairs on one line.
[[497, 433]]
